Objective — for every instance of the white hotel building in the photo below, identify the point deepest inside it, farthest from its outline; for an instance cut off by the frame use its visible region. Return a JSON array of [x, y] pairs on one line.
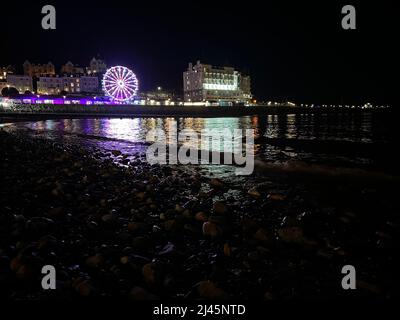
[[55, 85], [206, 83]]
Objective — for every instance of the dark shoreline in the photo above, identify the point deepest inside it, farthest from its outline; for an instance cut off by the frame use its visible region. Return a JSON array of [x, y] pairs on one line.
[[157, 232]]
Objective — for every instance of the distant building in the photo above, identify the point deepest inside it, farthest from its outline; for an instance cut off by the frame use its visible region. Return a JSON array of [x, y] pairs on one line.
[[96, 67], [6, 70], [159, 94], [21, 82], [37, 70], [89, 84], [71, 84], [203, 82], [71, 69]]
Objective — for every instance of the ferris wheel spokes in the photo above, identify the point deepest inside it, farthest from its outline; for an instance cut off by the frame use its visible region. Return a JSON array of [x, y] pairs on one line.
[[120, 84]]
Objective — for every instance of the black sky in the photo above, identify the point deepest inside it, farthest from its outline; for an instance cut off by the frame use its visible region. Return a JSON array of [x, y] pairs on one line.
[[294, 50]]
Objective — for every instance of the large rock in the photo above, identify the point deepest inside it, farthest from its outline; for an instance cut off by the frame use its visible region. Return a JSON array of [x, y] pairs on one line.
[[211, 229]]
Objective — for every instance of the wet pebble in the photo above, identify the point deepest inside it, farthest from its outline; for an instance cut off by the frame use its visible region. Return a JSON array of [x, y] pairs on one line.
[[211, 229], [220, 208], [209, 290]]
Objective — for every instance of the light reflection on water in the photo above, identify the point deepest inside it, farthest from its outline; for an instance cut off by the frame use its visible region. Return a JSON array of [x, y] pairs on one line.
[[135, 129], [278, 137]]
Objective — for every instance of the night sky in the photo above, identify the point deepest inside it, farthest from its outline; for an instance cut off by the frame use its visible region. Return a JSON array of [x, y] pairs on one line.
[[293, 50]]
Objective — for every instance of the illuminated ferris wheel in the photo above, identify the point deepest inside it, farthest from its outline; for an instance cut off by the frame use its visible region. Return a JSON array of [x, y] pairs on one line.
[[120, 84]]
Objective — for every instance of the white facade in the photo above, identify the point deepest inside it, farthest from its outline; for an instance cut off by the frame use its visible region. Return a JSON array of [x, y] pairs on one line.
[[89, 84], [20, 82], [203, 82], [55, 85]]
